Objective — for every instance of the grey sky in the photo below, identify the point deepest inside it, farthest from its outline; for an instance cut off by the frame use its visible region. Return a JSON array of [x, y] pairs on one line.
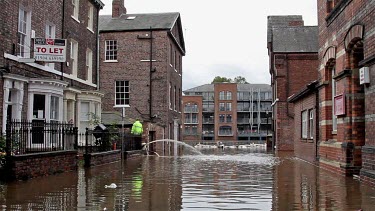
[[224, 38]]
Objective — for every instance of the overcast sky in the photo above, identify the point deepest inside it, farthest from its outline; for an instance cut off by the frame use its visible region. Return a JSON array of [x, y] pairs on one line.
[[224, 38]]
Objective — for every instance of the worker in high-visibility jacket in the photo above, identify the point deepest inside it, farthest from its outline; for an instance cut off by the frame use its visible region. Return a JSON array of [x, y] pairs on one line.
[[137, 128]]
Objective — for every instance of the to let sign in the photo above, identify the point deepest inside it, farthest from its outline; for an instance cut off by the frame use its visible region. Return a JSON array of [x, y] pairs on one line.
[[339, 105], [49, 50]]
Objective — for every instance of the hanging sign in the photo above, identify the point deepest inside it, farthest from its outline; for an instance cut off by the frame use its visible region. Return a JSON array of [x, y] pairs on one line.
[[49, 50]]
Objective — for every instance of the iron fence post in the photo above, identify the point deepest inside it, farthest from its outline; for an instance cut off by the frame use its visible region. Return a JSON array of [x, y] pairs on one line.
[[75, 132], [8, 140], [87, 140]]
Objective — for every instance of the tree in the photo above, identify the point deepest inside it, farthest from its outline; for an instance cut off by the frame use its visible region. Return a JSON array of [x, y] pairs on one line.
[[219, 79], [240, 80]]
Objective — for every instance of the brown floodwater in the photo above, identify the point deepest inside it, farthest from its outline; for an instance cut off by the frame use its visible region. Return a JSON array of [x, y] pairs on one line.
[[217, 180]]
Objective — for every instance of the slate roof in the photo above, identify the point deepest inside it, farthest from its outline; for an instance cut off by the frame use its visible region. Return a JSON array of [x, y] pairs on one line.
[[202, 88], [295, 39], [240, 87], [140, 22], [273, 21]]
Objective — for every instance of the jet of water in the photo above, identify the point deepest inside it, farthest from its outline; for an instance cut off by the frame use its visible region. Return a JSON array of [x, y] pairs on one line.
[[174, 141]]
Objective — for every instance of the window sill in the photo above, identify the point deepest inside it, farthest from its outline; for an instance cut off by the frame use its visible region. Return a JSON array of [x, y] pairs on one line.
[[110, 61], [76, 19], [121, 106], [90, 30]]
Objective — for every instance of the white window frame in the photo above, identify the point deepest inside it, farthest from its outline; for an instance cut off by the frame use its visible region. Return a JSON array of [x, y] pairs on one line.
[[170, 96], [110, 54], [304, 124], [124, 95], [75, 4], [90, 18], [24, 28], [74, 56], [89, 65], [311, 124], [54, 108], [50, 33]]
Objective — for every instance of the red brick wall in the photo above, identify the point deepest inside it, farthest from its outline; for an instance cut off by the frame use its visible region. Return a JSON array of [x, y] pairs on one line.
[[335, 29], [131, 51], [291, 74], [305, 148], [42, 164], [100, 158], [85, 38]]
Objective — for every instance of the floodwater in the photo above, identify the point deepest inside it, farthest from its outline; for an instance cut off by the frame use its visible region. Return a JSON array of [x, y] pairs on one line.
[[216, 180]]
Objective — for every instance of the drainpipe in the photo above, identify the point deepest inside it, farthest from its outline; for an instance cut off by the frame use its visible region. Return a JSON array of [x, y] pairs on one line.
[[151, 71], [62, 37], [97, 51], [287, 87]]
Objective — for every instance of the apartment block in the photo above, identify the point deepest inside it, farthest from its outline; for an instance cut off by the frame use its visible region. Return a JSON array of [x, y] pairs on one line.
[[227, 112]]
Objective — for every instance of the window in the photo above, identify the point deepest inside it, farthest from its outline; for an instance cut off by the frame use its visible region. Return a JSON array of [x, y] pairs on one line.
[[74, 56], [38, 106], [90, 17], [229, 95], [84, 116], [334, 90], [191, 108], [222, 95], [191, 130], [111, 50], [54, 111], [24, 25], [50, 33], [221, 118], [170, 95], [229, 118], [175, 98], [225, 131], [304, 124], [228, 107], [311, 124], [75, 9], [221, 106], [208, 106], [89, 64], [122, 95]]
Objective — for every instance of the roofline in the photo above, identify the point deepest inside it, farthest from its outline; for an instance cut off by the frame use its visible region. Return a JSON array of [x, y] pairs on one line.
[[309, 88], [134, 30], [99, 3]]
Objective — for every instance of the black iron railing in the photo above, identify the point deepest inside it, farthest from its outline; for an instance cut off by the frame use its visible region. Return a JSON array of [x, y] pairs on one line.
[[101, 141], [25, 136]]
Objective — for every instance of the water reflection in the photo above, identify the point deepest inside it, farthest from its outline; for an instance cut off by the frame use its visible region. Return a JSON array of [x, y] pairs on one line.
[[217, 180]]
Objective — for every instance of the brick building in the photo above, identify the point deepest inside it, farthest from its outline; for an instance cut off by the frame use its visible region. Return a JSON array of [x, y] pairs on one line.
[[346, 44], [141, 69], [306, 123], [41, 91], [227, 112], [292, 49]]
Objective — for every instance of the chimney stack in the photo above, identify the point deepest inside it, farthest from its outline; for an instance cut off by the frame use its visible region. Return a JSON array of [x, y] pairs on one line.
[[118, 8]]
